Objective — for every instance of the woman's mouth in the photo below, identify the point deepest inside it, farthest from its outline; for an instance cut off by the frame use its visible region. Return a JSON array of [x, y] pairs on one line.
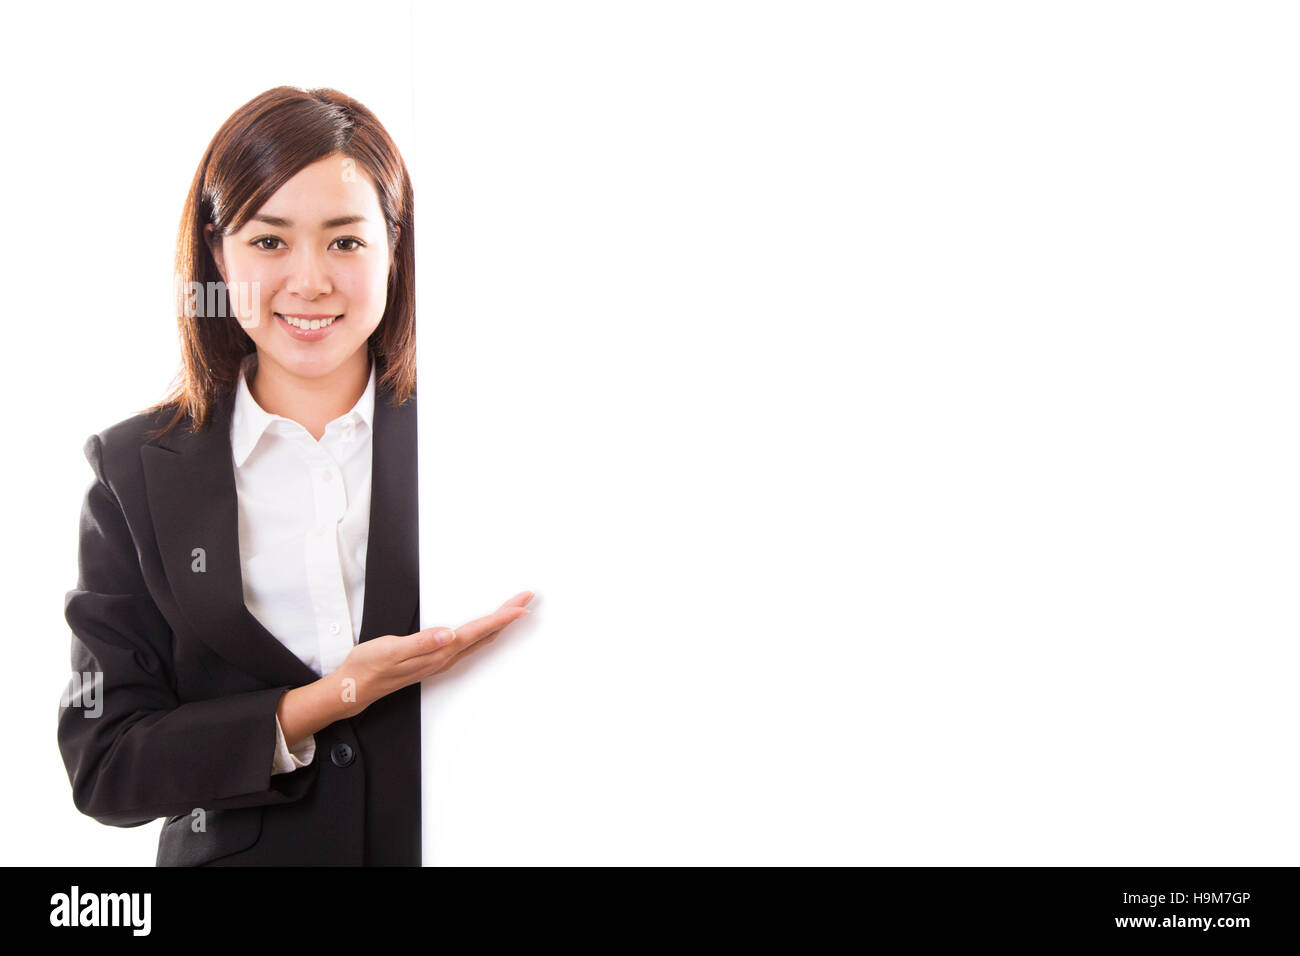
[[308, 327]]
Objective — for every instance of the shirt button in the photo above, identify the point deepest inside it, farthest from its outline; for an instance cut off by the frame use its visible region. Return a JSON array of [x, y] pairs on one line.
[[320, 529], [334, 627], [328, 475]]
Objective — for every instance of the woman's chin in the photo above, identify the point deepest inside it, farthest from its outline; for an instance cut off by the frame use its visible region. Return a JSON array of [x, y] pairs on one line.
[[310, 360]]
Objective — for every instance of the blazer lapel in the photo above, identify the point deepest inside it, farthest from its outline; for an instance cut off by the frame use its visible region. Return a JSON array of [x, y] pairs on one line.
[[190, 481], [393, 549]]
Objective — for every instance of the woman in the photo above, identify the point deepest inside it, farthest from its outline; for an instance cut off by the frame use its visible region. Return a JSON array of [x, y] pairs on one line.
[[246, 613]]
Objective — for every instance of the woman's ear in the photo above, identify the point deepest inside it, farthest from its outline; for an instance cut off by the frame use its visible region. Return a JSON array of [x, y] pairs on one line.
[[214, 246], [392, 251]]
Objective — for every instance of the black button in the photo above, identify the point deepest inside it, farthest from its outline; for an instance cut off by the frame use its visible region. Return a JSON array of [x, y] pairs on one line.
[[341, 754]]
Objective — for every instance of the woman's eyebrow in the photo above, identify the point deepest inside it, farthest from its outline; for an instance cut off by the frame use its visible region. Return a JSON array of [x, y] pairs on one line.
[[327, 224]]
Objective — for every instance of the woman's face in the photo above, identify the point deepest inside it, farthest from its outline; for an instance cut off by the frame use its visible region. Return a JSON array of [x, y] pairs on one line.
[[316, 251]]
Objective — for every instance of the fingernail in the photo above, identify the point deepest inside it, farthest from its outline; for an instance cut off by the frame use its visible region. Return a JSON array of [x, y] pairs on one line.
[[444, 637]]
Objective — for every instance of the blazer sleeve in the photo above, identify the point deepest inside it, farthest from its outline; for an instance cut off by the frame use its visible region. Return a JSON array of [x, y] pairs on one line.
[[140, 753]]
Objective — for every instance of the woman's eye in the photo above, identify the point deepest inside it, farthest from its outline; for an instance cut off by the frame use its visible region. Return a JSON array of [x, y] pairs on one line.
[[274, 243]]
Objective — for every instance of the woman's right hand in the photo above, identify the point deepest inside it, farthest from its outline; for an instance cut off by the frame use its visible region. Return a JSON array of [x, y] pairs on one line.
[[381, 665]]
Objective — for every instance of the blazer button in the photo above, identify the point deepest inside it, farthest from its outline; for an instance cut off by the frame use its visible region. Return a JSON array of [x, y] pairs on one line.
[[341, 754]]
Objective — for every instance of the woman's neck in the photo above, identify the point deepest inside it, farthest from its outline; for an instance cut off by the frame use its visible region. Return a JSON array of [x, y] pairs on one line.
[[311, 402]]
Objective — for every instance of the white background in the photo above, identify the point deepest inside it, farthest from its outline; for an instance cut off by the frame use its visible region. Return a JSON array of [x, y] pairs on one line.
[[892, 405]]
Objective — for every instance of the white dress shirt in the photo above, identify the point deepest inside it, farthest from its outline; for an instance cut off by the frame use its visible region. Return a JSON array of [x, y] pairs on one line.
[[304, 523]]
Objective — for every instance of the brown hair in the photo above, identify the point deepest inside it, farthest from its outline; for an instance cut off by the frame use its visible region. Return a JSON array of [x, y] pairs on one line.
[[263, 145]]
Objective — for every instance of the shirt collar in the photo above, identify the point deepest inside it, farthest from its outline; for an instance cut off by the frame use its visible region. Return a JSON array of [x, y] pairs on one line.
[[250, 420]]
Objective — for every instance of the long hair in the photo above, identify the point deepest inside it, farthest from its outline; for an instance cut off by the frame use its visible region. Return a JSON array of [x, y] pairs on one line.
[[264, 144]]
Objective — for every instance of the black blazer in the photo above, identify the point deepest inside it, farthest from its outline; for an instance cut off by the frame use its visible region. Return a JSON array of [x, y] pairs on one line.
[[191, 679]]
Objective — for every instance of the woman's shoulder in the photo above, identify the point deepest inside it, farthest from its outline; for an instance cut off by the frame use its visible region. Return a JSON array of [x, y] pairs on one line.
[[116, 449]]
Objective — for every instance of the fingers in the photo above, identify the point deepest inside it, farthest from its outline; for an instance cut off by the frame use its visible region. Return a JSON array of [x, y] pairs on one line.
[[483, 641], [519, 600], [440, 658], [434, 639], [476, 630]]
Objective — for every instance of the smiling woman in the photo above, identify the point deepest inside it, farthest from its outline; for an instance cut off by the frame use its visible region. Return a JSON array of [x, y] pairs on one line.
[[248, 586], [320, 255], [303, 205]]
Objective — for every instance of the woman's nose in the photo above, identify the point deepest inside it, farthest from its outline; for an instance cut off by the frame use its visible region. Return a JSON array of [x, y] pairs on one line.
[[308, 276]]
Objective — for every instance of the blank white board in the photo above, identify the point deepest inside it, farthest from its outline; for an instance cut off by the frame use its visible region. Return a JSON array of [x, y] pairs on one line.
[[891, 407]]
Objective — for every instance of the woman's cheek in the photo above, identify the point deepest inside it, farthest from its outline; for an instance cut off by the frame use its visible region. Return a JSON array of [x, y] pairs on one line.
[[254, 301], [365, 294], [249, 293]]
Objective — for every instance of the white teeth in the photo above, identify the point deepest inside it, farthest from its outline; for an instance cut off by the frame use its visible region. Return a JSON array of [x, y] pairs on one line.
[[313, 324]]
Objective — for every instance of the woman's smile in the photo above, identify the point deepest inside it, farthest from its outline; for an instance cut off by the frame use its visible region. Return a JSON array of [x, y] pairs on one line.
[[307, 328]]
